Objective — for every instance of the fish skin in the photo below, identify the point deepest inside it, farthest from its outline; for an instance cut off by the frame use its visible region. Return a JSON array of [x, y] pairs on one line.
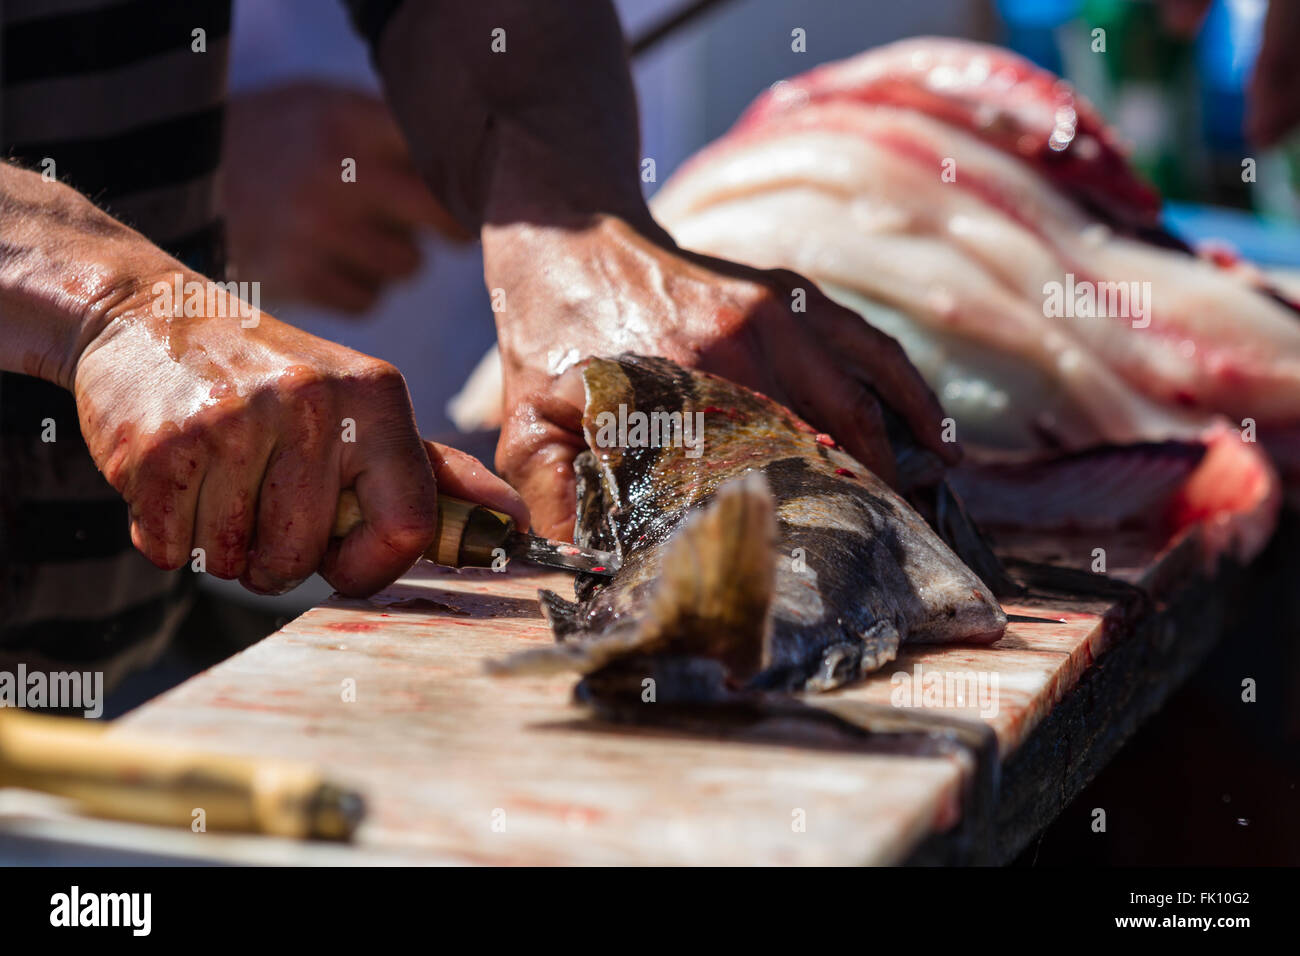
[[709, 599]]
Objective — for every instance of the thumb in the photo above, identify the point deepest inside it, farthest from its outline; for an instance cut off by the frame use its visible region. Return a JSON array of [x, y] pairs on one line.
[[544, 476], [539, 441], [464, 476]]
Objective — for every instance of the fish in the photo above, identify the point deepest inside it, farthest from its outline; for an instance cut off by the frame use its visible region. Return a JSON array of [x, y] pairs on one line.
[[997, 95], [977, 209], [1142, 340], [764, 559]]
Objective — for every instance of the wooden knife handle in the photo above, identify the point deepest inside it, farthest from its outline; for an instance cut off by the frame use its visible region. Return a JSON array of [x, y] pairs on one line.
[[467, 535], [125, 777]]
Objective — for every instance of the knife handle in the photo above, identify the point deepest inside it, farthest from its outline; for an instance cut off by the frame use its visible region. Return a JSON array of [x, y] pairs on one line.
[[468, 534], [150, 780]]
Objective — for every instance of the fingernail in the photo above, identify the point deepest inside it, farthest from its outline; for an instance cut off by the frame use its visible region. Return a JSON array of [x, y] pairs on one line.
[[570, 387]]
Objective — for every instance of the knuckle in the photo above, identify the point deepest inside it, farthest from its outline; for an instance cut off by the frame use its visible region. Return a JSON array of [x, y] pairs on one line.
[[222, 431], [383, 380], [384, 374], [305, 387]]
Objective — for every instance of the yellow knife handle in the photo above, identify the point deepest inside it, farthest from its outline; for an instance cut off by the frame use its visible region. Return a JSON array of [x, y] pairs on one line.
[[468, 534], [149, 780]]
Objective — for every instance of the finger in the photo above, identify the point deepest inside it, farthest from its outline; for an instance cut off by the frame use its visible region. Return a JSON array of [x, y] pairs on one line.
[[163, 499], [336, 287], [849, 412], [387, 177], [406, 200], [876, 357], [371, 249], [536, 456], [539, 441], [226, 511], [545, 480], [226, 516], [464, 476], [388, 468], [297, 491], [295, 514], [564, 402]]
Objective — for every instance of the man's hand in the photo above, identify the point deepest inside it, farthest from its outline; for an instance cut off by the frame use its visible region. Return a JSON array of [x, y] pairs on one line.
[[238, 441], [526, 130], [294, 224], [609, 288]]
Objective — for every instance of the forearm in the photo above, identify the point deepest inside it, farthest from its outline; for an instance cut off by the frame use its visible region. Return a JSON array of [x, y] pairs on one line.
[[544, 132], [65, 268]]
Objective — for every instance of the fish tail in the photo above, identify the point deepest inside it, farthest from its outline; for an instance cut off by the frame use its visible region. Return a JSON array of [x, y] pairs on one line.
[[565, 617], [953, 523], [718, 577], [711, 601]]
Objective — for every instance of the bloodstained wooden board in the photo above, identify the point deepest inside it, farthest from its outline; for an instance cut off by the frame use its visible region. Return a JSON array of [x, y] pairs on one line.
[[390, 695]]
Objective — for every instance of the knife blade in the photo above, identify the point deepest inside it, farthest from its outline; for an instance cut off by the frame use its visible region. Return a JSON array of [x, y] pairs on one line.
[[471, 535]]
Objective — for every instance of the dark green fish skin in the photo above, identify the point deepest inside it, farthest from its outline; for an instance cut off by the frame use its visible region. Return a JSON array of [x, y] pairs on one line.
[[772, 562]]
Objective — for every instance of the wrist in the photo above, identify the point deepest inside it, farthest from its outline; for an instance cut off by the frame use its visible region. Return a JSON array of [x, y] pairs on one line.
[[534, 180], [66, 269], [529, 248]]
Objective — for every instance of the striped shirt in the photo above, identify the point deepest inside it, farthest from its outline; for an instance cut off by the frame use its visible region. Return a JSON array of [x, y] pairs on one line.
[[124, 98]]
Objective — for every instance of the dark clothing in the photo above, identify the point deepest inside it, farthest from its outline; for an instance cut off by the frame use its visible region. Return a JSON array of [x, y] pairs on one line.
[[115, 94], [125, 97]]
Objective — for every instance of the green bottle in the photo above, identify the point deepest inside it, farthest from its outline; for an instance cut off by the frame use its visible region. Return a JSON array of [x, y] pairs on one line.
[[1143, 79]]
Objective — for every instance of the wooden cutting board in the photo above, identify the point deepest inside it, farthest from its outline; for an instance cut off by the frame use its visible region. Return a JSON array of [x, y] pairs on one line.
[[390, 695]]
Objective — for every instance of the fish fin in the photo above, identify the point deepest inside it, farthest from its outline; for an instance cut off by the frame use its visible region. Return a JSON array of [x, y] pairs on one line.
[[953, 523], [1101, 488], [921, 476], [717, 580], [846, 662], [715, 587], [583, 656], [1045, 580], [591, 529], [565, 617]]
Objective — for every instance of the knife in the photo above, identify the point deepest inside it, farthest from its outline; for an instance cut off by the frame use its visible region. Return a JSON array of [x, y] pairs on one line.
[[471, 535], [151, 780]]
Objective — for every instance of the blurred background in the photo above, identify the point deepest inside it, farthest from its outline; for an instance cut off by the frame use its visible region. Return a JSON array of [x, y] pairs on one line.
[[1208, 780]]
